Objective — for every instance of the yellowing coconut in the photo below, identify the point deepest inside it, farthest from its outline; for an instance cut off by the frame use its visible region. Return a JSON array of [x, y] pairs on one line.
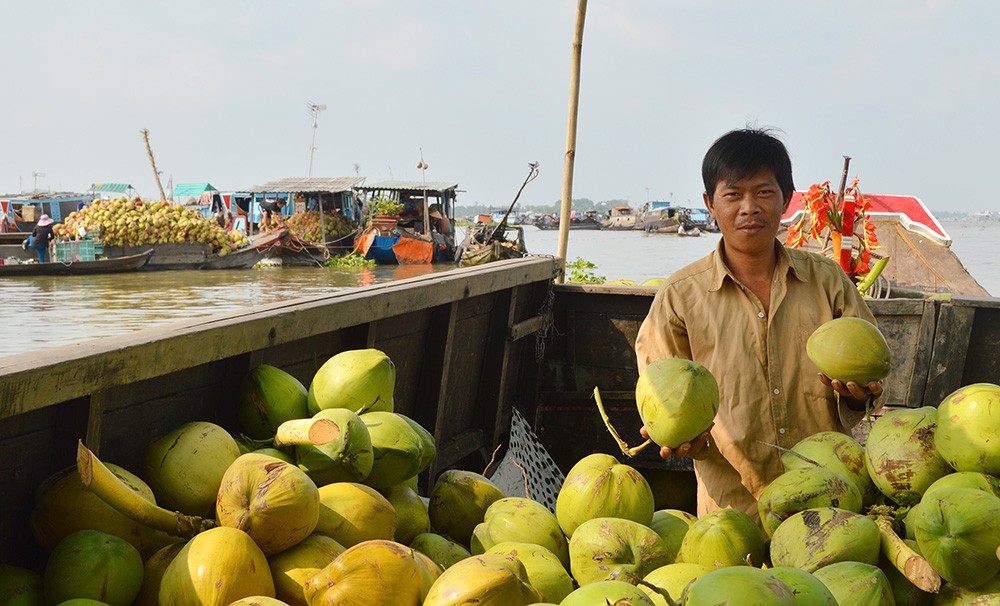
[[442, 551], [272, 501], [458, 502], [818, 537], [672, 578], [724, 537], [544, 570], [185, 467], [968, 428], [352, 513], [805, 488], [672, 525], [520, 520], [486, 580], [216, 568], [361, 380], [608, 549], [607, 592], [152, 574], [677, 400], [850, 349], [259, 600], [373, 573], [901, 456], [291, 568], [93, 564], [346, 458], [411, 511], [598, 486]]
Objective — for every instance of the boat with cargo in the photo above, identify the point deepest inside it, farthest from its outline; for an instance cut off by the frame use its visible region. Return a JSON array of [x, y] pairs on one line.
[[16, 268], [473, 347]]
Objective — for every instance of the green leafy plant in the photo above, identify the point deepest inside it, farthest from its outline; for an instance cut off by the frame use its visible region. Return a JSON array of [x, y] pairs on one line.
[[350, 260], [385, 206], [581, 271]]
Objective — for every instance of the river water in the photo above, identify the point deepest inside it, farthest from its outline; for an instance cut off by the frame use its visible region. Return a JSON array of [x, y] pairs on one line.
[[46, 312]]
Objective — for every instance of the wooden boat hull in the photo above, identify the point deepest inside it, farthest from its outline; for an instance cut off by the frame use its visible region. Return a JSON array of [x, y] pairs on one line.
[[77, 268], [189, 256], [572, 226]]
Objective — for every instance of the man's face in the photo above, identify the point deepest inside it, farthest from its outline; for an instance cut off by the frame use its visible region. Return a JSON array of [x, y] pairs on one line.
[[748, 212]]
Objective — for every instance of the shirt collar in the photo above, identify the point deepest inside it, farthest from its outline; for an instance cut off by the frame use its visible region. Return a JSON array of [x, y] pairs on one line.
[[787, 264]]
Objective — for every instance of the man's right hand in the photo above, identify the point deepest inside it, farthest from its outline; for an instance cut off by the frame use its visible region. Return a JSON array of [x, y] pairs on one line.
[[697, 448]]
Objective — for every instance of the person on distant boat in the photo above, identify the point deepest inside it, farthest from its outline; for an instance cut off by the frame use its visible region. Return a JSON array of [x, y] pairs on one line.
[[271, 212], [439, 222], [41, 236], [745, 312]]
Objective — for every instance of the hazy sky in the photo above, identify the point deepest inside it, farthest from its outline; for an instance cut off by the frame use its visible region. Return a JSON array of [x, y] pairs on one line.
[[908, 88]]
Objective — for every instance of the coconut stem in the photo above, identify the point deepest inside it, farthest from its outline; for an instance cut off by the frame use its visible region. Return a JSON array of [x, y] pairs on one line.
[[660, 592], [626, 450], [791, 452], [915, 568], [306, 432], [104, 483]]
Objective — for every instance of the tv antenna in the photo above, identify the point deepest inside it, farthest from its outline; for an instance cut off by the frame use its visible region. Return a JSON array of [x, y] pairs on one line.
[[314, 110], [34, 175]]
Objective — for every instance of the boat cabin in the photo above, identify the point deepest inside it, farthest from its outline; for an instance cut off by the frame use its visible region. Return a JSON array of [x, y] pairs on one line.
[[333, 194]]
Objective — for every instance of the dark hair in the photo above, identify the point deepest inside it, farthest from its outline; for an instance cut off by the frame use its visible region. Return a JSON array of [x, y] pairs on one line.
[[743, 153]]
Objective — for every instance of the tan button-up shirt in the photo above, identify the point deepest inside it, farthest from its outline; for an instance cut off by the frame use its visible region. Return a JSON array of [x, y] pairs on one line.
[[769, 389]]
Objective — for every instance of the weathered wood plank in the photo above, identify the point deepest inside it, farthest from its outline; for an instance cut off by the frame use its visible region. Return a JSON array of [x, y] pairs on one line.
[[951, 344], [526, 327], [40, 379], [458, 447], [441, 405]]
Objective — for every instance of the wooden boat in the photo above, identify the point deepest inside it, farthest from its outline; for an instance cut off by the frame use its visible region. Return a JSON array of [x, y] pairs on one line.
[[619, 217], [189, 256], [488, 242], [588, 221], [387, 243], [77, 268], [471, 345]]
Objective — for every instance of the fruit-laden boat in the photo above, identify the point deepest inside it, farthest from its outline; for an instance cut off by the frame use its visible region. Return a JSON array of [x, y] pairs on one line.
[[474, 349], [419, 229], [76, 268], [189, 255], [587, 221], [917, 245], [487, 242]]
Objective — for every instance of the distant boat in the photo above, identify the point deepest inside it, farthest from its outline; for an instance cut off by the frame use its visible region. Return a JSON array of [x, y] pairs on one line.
[[76, 268], [587, 221], [619, 217]]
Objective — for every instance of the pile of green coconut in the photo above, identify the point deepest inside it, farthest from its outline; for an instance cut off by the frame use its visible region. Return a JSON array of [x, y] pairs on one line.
[[313, 500]]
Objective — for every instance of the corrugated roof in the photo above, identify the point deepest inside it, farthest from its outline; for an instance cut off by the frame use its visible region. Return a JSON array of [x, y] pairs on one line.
[[192, 189], [403, 185], [329, 185], [117, 188]]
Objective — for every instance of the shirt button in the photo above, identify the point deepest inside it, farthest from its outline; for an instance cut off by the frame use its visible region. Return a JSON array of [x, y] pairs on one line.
[[777, 391], [781, 431], [760, 314]]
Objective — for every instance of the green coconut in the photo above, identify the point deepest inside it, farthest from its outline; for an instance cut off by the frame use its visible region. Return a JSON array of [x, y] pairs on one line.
[[361, 380], [411, 511], [269, 396], [218, 566], [904, 592], [272, 501], [274, 453], [20, 587], [428, 452], [968, 431], [352, 513], [82, 602], [398, 449], [724, 537], [807, 589], [672, 525], [672, 579], [443, 551], [373, 573], [856, 584], [609, 549], [817, 537], [838, 452], [598, 486], [93, 564], [491, 579], [291, 568], [850, 349], [739, 586], [185, 467], [458, 503], [347, 458], [958, 532], [618, 593], [544, 570], [901, 456], [987, 594], [677, 400], [806, 488], [520, 520]]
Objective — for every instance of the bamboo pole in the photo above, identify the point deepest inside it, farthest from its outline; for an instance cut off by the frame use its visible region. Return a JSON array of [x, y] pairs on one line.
[[152, 162], [569, 159]]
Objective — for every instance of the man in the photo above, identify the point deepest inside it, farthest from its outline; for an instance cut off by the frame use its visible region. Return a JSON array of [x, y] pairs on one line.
[[745, 313], [271, 210]]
